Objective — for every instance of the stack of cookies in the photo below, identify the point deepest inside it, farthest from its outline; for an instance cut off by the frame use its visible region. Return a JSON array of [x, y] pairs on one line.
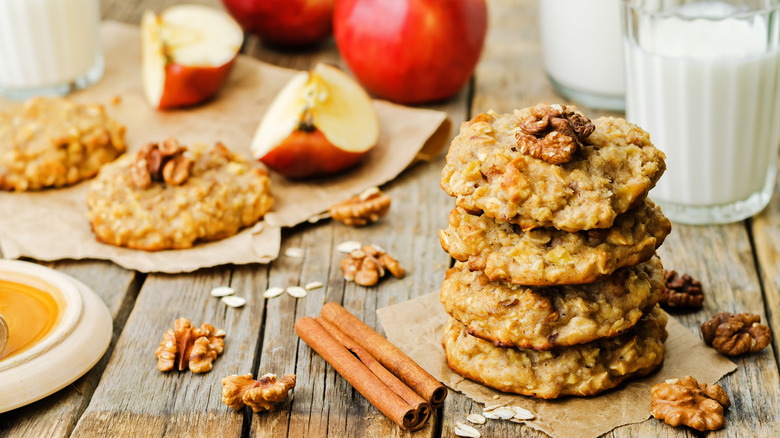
[[556, 282]]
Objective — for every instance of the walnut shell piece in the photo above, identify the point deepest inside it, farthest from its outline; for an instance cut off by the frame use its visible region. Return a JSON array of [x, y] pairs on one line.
[[688, 402], [241, 390], [367, 265], [363, 209], [187, 347], [681, 291], [735, 334], [553, 133]]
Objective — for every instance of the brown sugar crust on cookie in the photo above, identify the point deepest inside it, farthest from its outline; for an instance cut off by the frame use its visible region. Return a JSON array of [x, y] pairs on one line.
[[611, 173], [546, 256], [581, 370], [53, 142], [223, 193], [542, 318]]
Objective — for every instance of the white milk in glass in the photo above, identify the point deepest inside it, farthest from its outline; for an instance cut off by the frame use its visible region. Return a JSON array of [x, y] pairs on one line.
[[49, 45], [582, 51], [708, 93]]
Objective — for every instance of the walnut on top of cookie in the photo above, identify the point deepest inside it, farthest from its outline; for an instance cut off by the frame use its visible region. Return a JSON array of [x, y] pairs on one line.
[[550, 166]]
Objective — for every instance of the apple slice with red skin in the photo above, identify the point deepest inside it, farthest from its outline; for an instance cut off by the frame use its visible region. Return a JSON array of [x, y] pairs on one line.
[[320, 123], [187, 54]]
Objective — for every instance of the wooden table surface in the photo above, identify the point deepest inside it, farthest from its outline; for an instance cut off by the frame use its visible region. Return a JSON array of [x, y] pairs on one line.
[[125, 395]]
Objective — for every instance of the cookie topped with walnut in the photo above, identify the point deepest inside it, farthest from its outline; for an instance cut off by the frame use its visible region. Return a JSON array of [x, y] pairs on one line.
[[550, 166], [53, 142], [168, 196]]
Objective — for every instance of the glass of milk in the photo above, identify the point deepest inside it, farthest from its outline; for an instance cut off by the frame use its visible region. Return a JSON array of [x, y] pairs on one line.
[[48, 47], [582, 51], [703, 78]]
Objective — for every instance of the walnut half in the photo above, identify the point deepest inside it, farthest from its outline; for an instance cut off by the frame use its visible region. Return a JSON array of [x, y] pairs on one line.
[[553, 133], [260, 395], [188, 347], [166, 162], [681, 291], [735, 334], [367, 265], [687, 402], [363, 209]]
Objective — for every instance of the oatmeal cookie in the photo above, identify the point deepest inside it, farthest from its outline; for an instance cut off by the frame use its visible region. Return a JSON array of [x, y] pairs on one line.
[[52, 142], [222, 193], [548, 257], [609, 174], [586, 369], [541, 318]]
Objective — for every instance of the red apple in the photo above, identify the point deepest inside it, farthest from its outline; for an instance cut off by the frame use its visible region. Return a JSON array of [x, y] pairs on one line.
[[320, 123], [284, 23], [411, 51], [187, 54]]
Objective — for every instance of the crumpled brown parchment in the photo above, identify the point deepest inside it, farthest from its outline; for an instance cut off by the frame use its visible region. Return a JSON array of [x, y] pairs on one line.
[[416, 327], [51, 224]]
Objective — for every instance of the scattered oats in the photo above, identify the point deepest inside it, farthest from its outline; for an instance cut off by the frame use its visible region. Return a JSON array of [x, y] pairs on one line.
[[491, 408], [295, 252], [496, 397], [367, 193], [476, 419], [273, 292], [378, 248], [348, 246], [504, 412], [222, 291], [296, 291], [313, 285], [522, 414], [233, 301], [357, 254], [491, 415], [462, 429]]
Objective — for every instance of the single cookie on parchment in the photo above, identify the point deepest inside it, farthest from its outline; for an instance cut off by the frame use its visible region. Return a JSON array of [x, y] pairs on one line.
[[170, 197]]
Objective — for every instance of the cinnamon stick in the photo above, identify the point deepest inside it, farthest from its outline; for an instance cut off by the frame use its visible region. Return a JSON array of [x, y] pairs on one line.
[[422, 407], [386, 353], [357, 374]]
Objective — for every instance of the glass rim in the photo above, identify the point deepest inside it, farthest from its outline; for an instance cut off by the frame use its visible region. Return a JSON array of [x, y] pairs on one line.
[[632, 4]]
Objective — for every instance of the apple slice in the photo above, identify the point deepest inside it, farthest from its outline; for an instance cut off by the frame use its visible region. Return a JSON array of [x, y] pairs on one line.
[[187, 53], [320, 123]]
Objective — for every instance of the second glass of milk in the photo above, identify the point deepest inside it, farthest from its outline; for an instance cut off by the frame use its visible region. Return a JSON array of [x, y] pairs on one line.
[[582, 50], [703, 78], [48, 47]]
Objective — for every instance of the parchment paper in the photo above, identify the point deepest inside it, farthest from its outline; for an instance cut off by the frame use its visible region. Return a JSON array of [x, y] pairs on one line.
[[416, 326], [51, 224]]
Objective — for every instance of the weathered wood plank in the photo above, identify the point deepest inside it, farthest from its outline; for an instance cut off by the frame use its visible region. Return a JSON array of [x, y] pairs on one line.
[[56, 415], [766, 241], [721, 258], [135, 399]]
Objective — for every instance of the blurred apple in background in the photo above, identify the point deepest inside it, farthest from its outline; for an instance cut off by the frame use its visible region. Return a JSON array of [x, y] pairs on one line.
[[411, 51], [320, 123], [284, 23], [186, 54]]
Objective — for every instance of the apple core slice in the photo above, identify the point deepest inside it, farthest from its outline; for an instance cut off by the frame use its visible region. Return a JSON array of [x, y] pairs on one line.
[[187, 52], [321, 122]]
